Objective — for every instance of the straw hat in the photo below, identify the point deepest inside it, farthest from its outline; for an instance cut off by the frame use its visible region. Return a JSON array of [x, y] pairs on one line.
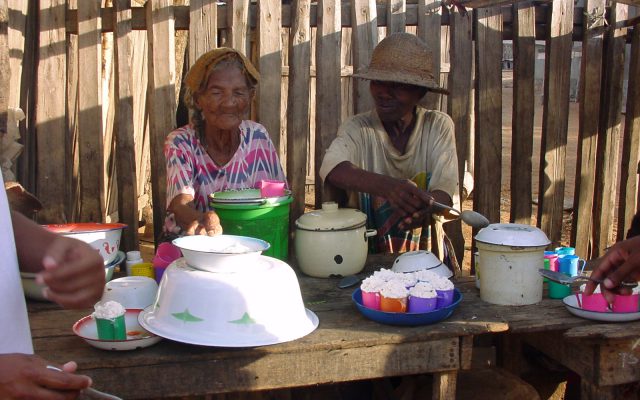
[[198, 71], [403, 58]]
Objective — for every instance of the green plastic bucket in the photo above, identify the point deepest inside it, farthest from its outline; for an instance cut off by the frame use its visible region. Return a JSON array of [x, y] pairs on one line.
[[269, 222]]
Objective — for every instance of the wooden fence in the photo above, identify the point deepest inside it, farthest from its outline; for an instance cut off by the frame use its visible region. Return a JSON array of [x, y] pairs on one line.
[[100, 87]]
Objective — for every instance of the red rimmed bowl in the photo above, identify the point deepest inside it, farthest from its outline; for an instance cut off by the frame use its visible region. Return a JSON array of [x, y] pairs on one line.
[[103, 237]]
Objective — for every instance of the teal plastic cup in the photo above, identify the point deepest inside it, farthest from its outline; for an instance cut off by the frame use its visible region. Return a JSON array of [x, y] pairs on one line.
[[111, 329], [558, 290]]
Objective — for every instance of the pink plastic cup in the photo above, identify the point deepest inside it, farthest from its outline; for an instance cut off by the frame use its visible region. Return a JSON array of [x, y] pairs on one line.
[[595, 302], [271, 188], [168, 252], [627, 303], [371, 300], [421, 304]]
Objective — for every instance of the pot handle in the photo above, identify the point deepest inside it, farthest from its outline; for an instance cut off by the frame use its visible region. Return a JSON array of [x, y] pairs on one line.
[[369, 233]]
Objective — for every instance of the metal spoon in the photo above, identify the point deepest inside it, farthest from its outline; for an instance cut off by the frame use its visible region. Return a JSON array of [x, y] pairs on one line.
[[91, 393], [348, 281], [471, 218], [576, 280]]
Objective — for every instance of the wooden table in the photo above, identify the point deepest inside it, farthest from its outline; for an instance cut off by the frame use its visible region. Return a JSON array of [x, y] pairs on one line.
[[348, 347], [345, 347]]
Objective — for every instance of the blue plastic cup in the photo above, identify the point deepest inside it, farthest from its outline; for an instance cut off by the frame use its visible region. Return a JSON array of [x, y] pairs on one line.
[[571, 265], [565, 251]]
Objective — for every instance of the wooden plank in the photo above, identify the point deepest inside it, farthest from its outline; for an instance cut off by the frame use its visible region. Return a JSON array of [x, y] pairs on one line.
[[270, 66], [524, 53], [328, 92], [590, 81], [396, 16], [485, 3], [5, 73], [444, 385], [459, 105], [609, 138], [124, 126], [555, 117], [238, 24], [162, 105], [90, 133], [72, 173], [298, 107], [364, 38], [488, 112], [203, 28], [16, 29], [140, 51], [50, 112], [429, 30], [628, 201]]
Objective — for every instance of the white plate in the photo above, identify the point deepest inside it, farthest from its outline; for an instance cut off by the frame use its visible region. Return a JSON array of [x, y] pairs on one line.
[[147, 320], [571, 303], [137, 337]]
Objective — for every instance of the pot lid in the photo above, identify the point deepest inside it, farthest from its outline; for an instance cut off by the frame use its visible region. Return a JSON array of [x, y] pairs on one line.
[[331, 218], [513, 235]]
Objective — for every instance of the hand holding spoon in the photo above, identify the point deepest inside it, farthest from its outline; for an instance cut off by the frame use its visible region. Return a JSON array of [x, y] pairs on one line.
[[471, 218]]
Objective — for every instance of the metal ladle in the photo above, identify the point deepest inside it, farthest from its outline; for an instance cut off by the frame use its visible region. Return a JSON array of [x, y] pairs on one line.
[[471, 218]]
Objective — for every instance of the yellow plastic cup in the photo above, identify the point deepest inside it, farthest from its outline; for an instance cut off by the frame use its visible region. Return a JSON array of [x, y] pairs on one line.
[[143, 269]]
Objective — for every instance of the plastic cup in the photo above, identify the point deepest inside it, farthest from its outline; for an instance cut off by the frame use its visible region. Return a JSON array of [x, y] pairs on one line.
[[371, 300], [143, 269], [390, 304], [565, 251], [552, 256], [421, 304], [159, 271], [558, 290], [111, 329], [167, 252], [628, 303], [595, 302], [271, 188], [571, 265], [445, 298]]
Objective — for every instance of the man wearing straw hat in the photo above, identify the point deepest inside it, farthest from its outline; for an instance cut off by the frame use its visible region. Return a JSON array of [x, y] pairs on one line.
[[395, 160]]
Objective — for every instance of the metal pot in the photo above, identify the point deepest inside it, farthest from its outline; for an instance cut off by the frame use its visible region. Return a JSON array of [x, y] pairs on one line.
[[332, 241], [510, 256]]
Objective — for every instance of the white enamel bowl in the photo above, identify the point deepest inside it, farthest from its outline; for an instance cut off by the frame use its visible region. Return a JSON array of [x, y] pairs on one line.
[[103, 237], [135, 292], [137, 336], [413, 261], [220, 253], [259, 306]]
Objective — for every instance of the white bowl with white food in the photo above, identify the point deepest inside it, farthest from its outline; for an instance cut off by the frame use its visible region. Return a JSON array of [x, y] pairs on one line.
[[222, 253]]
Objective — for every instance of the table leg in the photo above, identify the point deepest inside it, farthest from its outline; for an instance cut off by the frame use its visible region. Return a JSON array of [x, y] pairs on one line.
[[444, 385]]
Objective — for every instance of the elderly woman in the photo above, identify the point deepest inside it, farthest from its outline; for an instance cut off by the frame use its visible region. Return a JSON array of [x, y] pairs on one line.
[[220, 149], [396, 159]]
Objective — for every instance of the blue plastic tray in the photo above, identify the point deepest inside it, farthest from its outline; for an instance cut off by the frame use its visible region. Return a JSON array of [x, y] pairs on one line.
[[407, 319]]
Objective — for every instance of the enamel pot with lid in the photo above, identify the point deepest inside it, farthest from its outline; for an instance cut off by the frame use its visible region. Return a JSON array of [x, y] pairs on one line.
[[332, 241], [509, 257]]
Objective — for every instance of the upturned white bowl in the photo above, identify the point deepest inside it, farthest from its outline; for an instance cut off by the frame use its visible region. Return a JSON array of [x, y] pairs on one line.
[[103, 237], [220, 253], [412, 261]]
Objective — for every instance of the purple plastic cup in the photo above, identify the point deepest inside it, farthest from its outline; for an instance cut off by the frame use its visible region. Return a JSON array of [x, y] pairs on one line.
[[421, 304], [445, 298], [371, 300]]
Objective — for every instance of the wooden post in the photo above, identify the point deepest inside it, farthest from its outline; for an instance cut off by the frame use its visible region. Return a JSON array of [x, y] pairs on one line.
[[396, 16], [162, 106], [298, 105], [555, 119], [609, 138], [429, 21], [630, 142], [328, 93], [238, 24], [124, 132], [524, 54], [590, 81], [488, 112], [365, 38], [270, 66], [50, 112], [203, 28]]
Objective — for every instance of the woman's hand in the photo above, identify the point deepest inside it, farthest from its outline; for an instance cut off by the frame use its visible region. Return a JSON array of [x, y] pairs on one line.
[[620, 263], [207, 224], [25, 376], [73, 273]]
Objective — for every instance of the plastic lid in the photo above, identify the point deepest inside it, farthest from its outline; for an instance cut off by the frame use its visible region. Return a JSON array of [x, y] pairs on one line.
[[513, 235], [331, 218], [133, 255]]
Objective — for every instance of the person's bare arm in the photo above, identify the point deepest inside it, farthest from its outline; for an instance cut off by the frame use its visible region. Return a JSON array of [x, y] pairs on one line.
[[192, 221]]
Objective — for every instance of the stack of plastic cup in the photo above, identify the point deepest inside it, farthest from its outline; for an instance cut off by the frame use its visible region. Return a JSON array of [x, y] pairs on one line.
[[165, 255], [556, 290]]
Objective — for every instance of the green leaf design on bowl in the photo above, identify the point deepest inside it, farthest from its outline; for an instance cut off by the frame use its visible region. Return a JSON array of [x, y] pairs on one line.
[[186, 316], [245, 320]]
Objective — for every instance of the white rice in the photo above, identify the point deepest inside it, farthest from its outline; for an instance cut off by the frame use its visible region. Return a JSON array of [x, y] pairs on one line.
[[442, 284], [372, 284], [423, 290], [424, 275], [385, 274], [108, 310], [394, 290]]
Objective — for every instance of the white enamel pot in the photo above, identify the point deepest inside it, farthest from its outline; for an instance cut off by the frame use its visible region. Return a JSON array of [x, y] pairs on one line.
[[510, 256], [332, 241]]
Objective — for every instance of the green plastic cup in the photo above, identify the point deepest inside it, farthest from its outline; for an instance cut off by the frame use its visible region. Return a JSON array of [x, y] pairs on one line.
[[558, 290], [111, 329]]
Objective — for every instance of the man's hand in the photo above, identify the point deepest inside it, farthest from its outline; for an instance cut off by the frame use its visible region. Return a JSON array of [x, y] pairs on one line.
[[207, 224], [73, 273], [25, 376], [620, 263]]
